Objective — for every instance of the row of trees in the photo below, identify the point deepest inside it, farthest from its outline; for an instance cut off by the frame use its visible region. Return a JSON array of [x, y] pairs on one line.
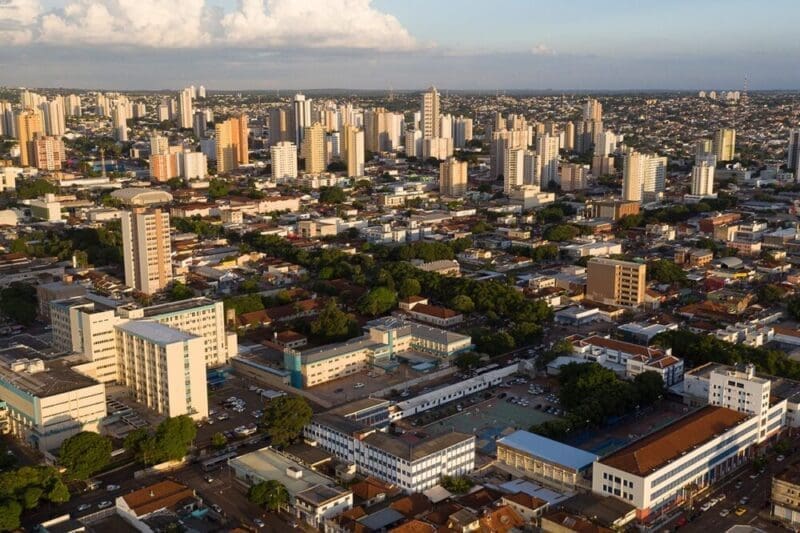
[[170, 441], [592, 394], [24, 489]]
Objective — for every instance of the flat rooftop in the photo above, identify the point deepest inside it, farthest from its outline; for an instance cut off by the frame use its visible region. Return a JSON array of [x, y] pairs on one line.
[[175, 307], [647, 455], [355, 407], [57, 378], [549, 450], [411, 452], [155, 332], [267, 463]]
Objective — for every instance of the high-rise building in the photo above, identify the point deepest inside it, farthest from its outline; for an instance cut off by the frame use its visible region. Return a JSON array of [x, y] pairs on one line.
[[199, 124], [605, 143], [793, 155], [513, 169], [193, 165], [354, 150], [501, 141], [201, 92], [163, 368], [53, 117], [593, 110], [547, 148], [642, 173], [655, 174], [146, 249], [280, 126], [333, 146], [159, 144], [446, 126], [569, 136], [452, 177], [8, 125], [163, 112], [703, 179], [413, 143], [532, 166], [302, 117], [313, 149], [437, 147], [573, 177], [725, 144], [284, 161], [429, 123], [29, 124], [185, 110], [49, 152], [167, 165], [232, 144], [119, 120], [462, 131], [610, 281]]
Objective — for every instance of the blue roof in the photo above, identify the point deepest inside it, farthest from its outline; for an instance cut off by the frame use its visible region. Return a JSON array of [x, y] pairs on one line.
[[548, 450]]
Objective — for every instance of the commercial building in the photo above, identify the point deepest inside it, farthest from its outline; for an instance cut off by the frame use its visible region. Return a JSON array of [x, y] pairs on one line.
[[56, 290], [615, 282], [545, 460], [661, 470], [785, 495], [48, 402], [146, 249], [413, 467], [163, 368], [313, 497], [383, 339], [615, 209], [453, 177], [232, 143]]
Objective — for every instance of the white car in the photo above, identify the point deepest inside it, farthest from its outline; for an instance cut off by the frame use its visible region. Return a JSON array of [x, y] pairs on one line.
[[725, 512], [84, 507], [112, 488], [780, 458], [358, 385], [104, 504], [706, 506]]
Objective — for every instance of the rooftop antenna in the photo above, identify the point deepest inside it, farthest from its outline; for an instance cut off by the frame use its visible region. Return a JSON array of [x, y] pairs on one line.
[[743, 96]]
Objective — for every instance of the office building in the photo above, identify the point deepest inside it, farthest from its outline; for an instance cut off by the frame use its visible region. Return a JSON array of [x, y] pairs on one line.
[[429, 123], [703, 179], [659, 472], [28, 125], [793, 155], [146, 249], [354, 150], [48, 402], [163, 368], [185, 109], [614, 282], [513, 169], [232, 144], [724, 145], [284, 162], [453, 177], [313, 149], [302, 117]]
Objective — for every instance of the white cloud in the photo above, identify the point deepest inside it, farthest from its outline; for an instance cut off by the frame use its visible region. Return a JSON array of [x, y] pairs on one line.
[[17, 18], [542, 50], [314, 24], [195, 23]]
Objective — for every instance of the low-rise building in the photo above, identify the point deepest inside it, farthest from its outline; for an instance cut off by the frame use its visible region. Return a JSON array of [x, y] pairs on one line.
[[629, 359], [785, 495]]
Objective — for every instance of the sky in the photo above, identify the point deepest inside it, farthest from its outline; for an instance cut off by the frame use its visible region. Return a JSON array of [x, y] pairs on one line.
[[557, 45]]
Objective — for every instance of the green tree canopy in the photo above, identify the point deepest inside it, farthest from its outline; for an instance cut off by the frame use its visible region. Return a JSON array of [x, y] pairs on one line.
[[332, 195], [456, 484], [174, 436], [462, 303], [218, 440], [284, 419], [409, 287], [84, 454], [270, 494], [332, 324], [179, 291], [10, 512], [770, 294], [377, 301], [561, 232], [665, 271], [18, 302]]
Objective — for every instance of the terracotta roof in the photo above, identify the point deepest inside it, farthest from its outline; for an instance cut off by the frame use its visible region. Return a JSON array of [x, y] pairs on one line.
[[414, 526], [570, 522], [501, 520], [412, 505], [370, 488], [289, 336], [254, 318], [480, 498], [789, 332], [158, 496], [525, 500], [644, 456], [434, 310], [620, 346]]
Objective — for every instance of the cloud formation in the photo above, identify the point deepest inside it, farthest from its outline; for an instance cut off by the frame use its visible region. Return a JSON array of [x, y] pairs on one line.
[[542, 50], [194, 23]]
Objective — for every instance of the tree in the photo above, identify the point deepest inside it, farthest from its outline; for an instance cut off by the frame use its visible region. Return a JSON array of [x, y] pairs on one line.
[[333, 324], [27, 189], [59, 493], [649, 387], [31, 497], [10, 512], [18, 302], [143, 445], [467, 360], [284, 419], [456, 484], [793, 307], [218, 440], [665, 271], [270, 494], [561, 232], [409, 287], [377, 301], [174, 436], [462, 303], [218, 188], [770, 294], [332, 195], [84, 454], [179, 291]]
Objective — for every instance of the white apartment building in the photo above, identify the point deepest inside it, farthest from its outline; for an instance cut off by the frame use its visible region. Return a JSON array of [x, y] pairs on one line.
[[412, 467], [49, 402], [163, 368], [195, 165], [284, 161], [703, 179], [146, 249]]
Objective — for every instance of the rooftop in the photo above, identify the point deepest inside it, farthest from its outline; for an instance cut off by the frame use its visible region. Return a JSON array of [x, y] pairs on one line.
[[412, 452], [175, 307], [551, 451], [643, 457], [160, 495], [57, 377], [155, 332]]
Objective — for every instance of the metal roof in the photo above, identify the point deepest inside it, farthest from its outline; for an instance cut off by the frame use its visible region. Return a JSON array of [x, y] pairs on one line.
[[551, 451]]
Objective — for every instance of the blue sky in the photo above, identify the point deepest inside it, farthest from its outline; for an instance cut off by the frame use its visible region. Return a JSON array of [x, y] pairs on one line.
[[464, 44]]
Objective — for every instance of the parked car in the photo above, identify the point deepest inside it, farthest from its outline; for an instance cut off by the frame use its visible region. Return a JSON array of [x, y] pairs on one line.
[[258, 522], [358, 385], [112, 488], [740, 511], [104, 504], [84, 507], [725, 512], [216, 508]]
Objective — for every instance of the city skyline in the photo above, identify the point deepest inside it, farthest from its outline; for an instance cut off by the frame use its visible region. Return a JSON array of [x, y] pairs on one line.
[[278, 44]]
